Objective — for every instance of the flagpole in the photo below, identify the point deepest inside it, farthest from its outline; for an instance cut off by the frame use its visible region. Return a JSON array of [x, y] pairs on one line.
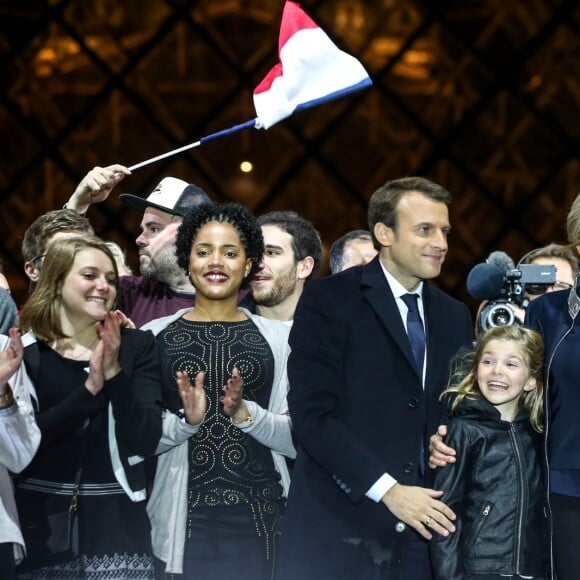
[[236, 128]]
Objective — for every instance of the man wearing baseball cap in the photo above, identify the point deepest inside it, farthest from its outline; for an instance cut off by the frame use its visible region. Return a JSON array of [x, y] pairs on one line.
[[163, 288]]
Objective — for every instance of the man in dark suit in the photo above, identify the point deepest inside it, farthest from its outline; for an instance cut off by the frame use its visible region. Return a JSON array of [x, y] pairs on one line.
[[364, 396]]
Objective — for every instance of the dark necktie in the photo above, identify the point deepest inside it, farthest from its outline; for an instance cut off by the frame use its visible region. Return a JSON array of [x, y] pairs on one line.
[[415, 330]]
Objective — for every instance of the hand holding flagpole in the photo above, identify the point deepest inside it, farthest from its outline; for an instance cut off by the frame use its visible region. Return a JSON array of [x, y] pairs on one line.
[[312, 70]]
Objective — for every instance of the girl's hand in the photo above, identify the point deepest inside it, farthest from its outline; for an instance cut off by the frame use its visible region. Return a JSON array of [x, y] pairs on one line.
[[192, 396]]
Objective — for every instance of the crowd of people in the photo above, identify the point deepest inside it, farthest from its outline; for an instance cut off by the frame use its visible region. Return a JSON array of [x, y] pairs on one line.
[[227, 413]]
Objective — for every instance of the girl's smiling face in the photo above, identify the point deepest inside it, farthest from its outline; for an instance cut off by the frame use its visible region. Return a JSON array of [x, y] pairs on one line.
[[503, 375], [88, 290]]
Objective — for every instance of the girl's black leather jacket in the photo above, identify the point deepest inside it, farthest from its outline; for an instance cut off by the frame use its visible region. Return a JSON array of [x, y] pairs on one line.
[[496, 489]]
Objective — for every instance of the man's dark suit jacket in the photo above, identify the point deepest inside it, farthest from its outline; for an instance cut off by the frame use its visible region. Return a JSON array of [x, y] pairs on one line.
[[358, 410]]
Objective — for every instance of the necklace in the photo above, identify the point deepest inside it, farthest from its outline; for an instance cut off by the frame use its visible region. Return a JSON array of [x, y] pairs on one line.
[[81, 354]]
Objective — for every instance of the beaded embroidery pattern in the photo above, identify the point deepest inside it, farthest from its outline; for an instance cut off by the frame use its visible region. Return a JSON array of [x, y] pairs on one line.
[[227, 467]]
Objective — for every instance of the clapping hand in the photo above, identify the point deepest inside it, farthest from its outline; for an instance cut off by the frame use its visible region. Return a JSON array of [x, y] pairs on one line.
[[104, 361], [192, 396], [109, 330], [10, 358], [126, 322], [232, 399]]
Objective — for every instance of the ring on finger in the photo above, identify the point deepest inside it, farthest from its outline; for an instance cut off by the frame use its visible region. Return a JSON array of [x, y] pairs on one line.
[[428, 520]]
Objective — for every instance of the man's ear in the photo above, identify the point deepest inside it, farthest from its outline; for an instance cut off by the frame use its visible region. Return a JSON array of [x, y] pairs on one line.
[[384, 234], [31, 271], [304, 267]]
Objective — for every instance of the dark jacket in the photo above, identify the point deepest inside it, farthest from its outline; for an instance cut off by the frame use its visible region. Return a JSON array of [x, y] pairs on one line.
[[555, 316], [359, 410], [496, 490]]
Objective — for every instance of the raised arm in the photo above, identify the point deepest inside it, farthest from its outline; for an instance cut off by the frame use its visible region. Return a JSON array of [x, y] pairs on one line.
[[96, 186]]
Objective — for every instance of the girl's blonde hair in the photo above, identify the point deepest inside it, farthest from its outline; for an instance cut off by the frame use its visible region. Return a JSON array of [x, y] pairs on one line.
[[41, 313], [463, 380]]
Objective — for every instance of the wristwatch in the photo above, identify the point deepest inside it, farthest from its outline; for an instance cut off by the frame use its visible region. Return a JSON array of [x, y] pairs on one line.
[[249, 420]]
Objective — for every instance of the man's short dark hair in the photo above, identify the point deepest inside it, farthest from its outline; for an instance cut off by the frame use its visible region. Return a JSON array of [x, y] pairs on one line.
[[305, 239], [48, 224], [384, 201], [337, 248]]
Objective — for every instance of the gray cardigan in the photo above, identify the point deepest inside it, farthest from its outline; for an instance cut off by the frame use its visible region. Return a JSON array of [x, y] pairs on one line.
[[167, 506]]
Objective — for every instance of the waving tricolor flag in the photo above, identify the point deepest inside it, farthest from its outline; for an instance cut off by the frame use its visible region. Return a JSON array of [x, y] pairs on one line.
[[312, 70]]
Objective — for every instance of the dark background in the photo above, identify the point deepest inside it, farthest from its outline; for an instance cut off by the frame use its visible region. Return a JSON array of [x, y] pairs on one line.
[[481, 96]]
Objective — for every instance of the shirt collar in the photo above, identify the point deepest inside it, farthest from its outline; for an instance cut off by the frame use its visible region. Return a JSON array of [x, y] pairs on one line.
[[397, 288]]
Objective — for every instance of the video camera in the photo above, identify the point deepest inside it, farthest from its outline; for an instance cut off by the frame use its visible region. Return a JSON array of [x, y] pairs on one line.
[[504, 288]]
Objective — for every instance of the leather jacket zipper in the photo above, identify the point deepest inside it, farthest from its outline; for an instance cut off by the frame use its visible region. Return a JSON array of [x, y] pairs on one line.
[[479, 524]]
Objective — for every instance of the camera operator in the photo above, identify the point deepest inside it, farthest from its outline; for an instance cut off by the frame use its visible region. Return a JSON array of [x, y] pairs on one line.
[[506, 290], [563, 257]]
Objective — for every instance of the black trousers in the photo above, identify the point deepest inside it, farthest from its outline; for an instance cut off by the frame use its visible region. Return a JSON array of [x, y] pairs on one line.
[[412, 563], [7, 563], [416, 561], [566, 524], [222, 544]]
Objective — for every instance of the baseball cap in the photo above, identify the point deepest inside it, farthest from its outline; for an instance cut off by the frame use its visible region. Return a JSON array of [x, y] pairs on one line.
[[171, 195]]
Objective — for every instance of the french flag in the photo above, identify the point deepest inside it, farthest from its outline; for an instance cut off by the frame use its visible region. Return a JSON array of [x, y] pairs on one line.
[[312, 70]]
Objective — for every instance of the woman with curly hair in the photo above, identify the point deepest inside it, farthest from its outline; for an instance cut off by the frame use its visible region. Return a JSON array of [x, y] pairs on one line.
[[221, 477]]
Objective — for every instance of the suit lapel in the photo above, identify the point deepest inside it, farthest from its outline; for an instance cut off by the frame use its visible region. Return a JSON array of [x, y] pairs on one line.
[[378, 294]]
